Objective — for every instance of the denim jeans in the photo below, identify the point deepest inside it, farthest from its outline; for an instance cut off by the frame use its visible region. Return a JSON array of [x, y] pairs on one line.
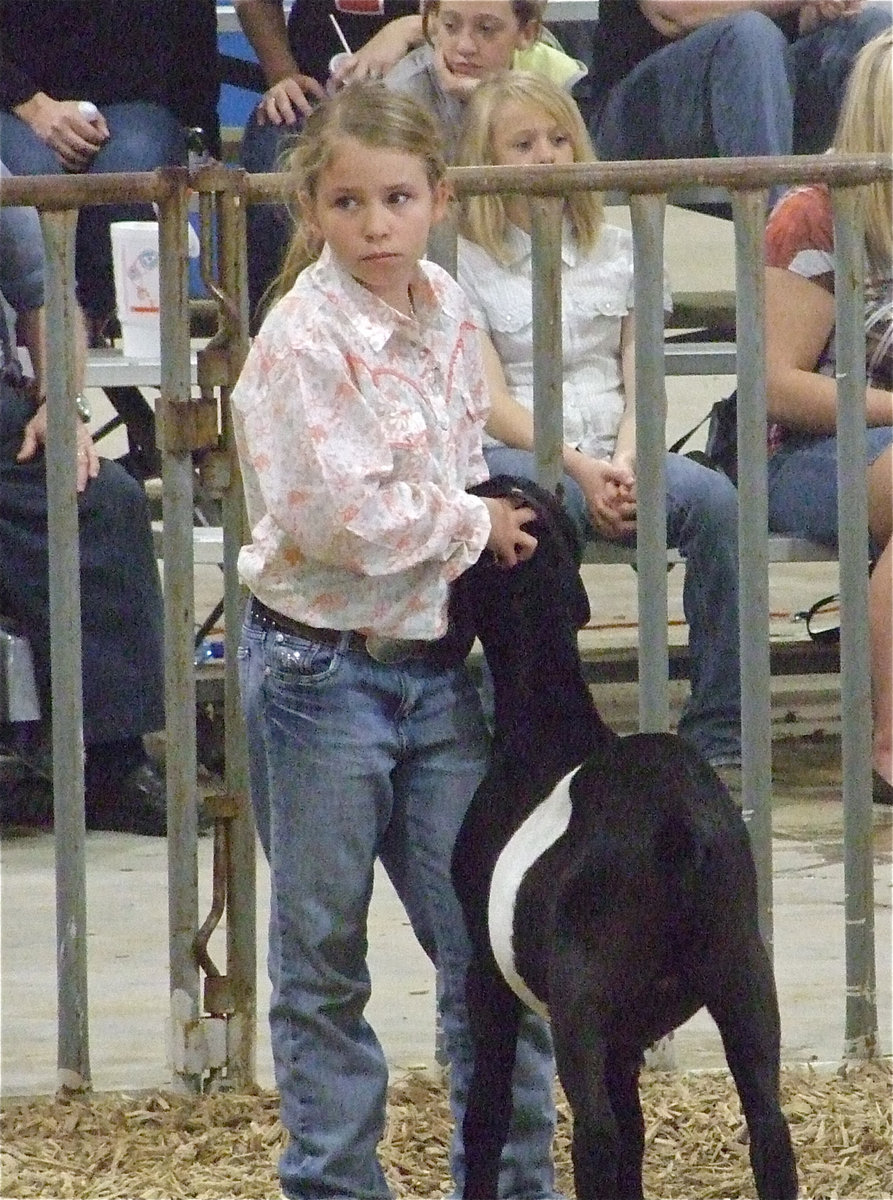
[[268, 225], [734, 87], [702, 522], [802, 482], [143, 137], [350, 760]]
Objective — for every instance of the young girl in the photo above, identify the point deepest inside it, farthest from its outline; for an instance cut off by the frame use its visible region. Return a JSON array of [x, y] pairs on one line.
[[467, 41], [800, 363], [358, 419], [521, 118]]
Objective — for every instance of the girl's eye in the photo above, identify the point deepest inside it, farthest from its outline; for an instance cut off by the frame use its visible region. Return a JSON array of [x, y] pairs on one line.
[[560, 139], [522, 146], [343, 202], [398, 197]]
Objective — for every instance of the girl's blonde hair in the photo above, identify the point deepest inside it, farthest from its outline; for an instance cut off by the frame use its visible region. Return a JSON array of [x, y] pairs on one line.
[[866, 127], [483, 218], [525, 11], [371, 114]]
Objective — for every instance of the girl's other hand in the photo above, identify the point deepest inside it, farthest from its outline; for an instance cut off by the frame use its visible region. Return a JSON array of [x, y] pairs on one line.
[[610, 493], [509, 542]]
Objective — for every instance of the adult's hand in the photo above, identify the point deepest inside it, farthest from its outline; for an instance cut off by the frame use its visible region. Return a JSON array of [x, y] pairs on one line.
[[286, 100], [35, 436], [815, 13], [73, 136]]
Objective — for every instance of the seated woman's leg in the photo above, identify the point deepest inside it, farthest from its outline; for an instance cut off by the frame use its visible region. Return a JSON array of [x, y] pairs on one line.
[[143, 137], [268, 225], [803, 501], [725, 88]]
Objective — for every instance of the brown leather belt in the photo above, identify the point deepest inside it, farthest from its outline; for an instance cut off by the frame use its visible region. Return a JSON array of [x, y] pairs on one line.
[[382, 649]]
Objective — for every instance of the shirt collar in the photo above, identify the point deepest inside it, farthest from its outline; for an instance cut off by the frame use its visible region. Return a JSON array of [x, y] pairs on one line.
[[520, 245], [375, 320]]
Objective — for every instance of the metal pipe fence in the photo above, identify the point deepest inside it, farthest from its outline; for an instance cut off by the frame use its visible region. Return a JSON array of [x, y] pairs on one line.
[[213, 1032]]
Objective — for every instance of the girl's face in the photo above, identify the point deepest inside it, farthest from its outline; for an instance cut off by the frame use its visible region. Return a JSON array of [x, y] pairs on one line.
[[476, 40], [524, 134], [375, 208]]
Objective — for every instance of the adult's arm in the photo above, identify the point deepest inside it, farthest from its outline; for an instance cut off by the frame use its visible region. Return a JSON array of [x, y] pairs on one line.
[[289, 92], [799, 321]]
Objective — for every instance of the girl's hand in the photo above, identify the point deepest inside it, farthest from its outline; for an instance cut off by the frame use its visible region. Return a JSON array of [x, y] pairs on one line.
[[73, 137], [281, 104], [609, 489], [509, 542], [379, 54], [35, 436], [814, 13]]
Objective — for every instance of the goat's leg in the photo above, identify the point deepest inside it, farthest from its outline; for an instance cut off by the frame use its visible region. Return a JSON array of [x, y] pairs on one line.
[[744, 1006], [494, 1013], [622, 1076]]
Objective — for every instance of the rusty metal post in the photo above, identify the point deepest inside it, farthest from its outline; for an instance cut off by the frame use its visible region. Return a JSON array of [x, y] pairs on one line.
[[67, 709], [753, 542], [186, 1051], [647, 213], [241, 885], [861, 1033]]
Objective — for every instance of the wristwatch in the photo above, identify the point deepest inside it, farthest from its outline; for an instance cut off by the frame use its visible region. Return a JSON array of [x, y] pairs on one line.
[[83, 408]]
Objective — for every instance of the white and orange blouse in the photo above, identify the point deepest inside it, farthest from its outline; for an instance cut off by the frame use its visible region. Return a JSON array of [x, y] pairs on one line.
[[358, 431]]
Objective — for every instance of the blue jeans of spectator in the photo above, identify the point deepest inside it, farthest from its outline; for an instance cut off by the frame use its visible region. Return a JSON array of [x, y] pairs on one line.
[[143, 137], [734, 87], [268, 225], [352, 760], [802, 481], [702, 522]]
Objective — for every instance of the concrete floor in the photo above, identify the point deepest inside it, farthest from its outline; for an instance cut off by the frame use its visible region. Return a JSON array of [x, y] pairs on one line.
[[127, 875]]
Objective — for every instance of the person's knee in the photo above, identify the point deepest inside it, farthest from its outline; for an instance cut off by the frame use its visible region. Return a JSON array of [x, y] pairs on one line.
[[143, 137]]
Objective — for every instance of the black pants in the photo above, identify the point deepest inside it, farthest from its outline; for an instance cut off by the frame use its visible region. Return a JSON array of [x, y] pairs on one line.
[[122, 619]]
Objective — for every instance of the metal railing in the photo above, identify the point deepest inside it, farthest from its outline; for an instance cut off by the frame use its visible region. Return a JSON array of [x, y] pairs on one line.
[[213, 1035]]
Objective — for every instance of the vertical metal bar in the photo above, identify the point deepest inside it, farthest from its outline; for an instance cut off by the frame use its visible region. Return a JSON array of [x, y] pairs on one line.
[[179, 618], [861, 1035], [241, 913], [73, 1055], [647, 213], [548, 358], [749, 210]]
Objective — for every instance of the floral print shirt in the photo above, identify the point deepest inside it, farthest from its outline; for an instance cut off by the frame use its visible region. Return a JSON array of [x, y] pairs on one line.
[[596, 294], [358, 430]]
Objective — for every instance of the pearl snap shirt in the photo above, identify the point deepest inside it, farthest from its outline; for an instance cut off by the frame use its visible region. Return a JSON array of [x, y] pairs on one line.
[[358, 430], [596, 293]]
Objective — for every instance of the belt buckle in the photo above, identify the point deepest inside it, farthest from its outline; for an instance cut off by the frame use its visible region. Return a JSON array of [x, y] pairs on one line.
[[389, 651]]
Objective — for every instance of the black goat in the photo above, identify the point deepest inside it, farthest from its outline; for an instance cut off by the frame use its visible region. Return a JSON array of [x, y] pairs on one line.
[[625, 903]]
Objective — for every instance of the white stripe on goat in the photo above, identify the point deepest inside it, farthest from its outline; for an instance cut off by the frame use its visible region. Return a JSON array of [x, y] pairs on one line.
[[545, 825]]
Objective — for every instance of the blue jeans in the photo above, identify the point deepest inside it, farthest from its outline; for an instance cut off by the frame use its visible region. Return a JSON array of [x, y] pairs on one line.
[[351, 760], [143, 137], [734, 87], [702, 522], [802, 481], [268, 225]]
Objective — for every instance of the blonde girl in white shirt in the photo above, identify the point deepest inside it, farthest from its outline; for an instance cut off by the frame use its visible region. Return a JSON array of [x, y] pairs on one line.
[[358, 418], [523, 119]]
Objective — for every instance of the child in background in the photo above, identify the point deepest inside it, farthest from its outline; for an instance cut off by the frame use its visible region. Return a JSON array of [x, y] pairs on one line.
[[800, 361], [358, 419], [467, 41], [523, 119]]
